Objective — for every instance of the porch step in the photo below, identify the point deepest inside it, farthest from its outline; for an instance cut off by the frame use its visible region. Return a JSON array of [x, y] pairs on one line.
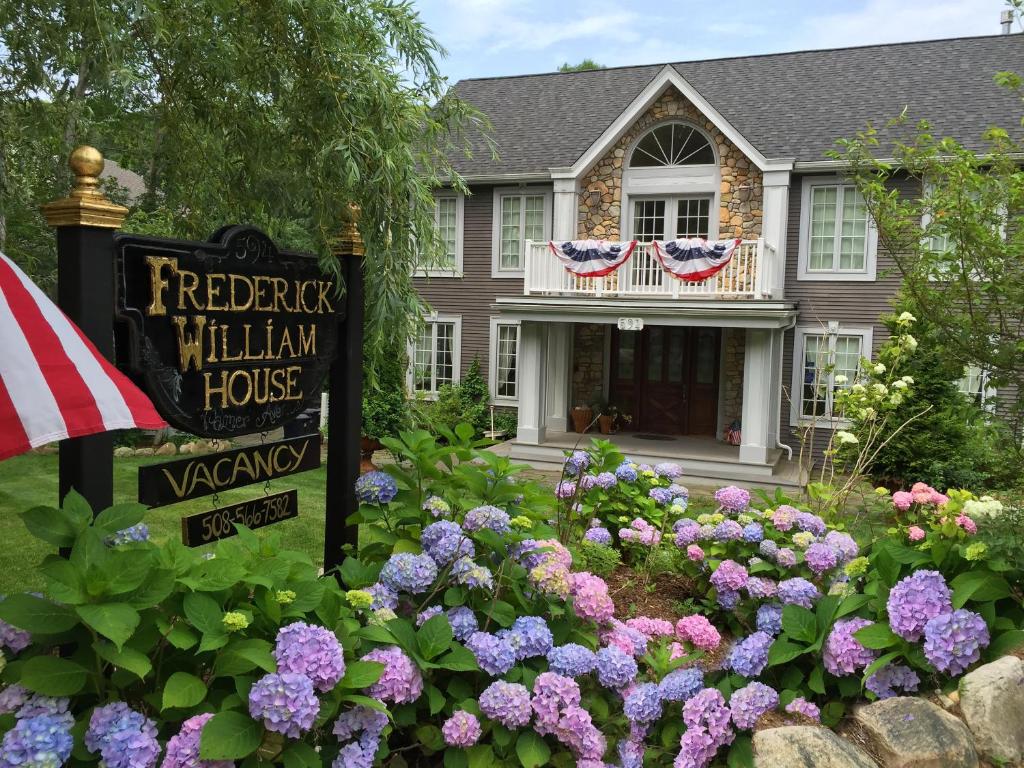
[[697, 471]]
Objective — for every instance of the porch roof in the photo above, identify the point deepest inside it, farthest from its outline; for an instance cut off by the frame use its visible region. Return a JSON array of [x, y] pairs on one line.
[[714, 312]]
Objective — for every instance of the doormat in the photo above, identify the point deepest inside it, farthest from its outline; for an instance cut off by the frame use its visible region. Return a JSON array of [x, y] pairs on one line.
[[654, 437]]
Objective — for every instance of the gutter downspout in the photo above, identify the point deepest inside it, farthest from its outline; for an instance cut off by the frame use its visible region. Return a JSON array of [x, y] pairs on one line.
[[778, 403]]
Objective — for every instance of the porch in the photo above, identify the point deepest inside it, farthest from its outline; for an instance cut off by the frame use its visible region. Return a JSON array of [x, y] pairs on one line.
[[705, 460], [751, 274]]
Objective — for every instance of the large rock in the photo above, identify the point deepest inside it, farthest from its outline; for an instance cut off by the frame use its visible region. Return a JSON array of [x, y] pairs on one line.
[[913, 733], [167, 449], [123, 451], [806, 746], [992, 703]]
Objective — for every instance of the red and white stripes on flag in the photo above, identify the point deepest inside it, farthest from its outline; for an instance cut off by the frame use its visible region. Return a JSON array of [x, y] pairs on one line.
[[694, 259], [592, 258], [54, 384]]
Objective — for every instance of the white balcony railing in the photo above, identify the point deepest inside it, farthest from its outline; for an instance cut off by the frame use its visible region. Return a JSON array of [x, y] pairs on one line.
[[747, 276]]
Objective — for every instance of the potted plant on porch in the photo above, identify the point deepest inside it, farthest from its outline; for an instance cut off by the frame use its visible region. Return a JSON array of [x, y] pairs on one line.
[[606, 416], [582, 416], [385, 407]]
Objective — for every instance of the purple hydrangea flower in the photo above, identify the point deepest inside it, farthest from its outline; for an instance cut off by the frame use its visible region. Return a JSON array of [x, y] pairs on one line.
[[487, 516], [436, 506], [444, 541], [366, 723], [401, 681], [643, 703], [753, 533], [732, 498], [687, 532], [285, 703], [821, 557], [12, 637], [376, 488], [954, 641], [615, 668], [728, 530], [891, 679], [43, 741], [123, 737], [311, 651], [470, 574], [576, 462], [843, 544], [727, 599], [661, 496], [768, 548], [406, 572], [668, 469], [626, 472], [463, 622], [730, 576], [462, 729], [426, 615], [572, 660], [707, 712], [681, 684], [565, 489], [599, 535], [12, 698], [605, 480], [749, 656], [785, 557], [494, 655], [801, 706], [806, 521], [183, 747], [798, 591], [354, 755], [750, 702], [769, 618], [843, 654], [383, 597], [36, 705], [915, 600], [529, 636], [136, 534], [507, 703], [760, 588]]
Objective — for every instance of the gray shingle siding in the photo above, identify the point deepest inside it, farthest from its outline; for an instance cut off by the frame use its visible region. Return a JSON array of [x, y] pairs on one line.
[[789, 105]]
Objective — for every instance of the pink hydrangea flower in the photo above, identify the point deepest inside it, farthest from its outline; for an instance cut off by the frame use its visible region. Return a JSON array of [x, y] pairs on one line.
[[651, 627], [695, 553], [699, 631], [902, 500], [915, 533], [967, 524], [590, 597]]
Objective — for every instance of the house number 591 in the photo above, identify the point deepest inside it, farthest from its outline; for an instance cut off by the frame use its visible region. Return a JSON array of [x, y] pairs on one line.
[[631, 323]]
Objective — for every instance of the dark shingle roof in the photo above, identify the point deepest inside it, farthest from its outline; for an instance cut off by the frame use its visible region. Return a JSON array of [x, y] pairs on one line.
[[789, 105]]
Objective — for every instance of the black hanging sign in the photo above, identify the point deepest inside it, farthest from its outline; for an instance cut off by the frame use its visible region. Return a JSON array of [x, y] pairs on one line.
[[230, 336], [201, 475], [204, 527]]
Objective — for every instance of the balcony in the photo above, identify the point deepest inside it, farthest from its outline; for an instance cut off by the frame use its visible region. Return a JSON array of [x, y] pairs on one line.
[[747, 276]]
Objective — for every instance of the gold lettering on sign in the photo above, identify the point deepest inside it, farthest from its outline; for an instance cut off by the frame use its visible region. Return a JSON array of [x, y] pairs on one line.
[[249, 466], [190, 347], [307, 342], [157, 282], [236, 305]]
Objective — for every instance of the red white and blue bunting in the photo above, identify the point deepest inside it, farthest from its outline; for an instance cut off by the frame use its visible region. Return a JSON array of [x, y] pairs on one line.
[[592, 258], [694, 259]]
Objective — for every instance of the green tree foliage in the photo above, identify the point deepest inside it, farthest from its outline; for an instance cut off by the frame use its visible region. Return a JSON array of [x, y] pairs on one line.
[[385, 403], [275, 114], [956, 239], [584, 66]]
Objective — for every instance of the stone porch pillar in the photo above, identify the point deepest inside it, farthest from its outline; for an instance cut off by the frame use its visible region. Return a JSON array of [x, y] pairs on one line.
[[757, 396], [557, 372], [532, 364]]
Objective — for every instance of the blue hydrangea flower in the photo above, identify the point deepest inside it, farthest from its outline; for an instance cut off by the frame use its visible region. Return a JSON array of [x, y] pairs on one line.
[[798, 591], [406, 572], [286, 703], [572, 660], [383, 597], [599, 535], [661, 496], [463, 622], [615, 668], [136, 534], [681, 684], [753, 533], [487, 516], [123, 737], [43, 741], [529, 636], [469, 574], [444, 542], [749, 656], [750, 702], [768, 548], [643, 704], [493, 654], [626, 472], [376, 488], [769, 619]]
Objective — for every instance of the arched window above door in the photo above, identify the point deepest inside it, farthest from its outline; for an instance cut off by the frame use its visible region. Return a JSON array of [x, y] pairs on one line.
[[672, 145]]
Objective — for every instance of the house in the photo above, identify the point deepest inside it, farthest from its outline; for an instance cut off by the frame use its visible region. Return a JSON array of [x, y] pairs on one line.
[[727, 148]]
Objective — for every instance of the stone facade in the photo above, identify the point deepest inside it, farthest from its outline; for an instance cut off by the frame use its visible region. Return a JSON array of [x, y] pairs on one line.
[[588, 375], [742, 188], [734, 342]]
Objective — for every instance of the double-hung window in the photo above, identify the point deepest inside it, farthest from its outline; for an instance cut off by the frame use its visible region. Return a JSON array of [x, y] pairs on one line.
[[838, 240], [448, 220], [975, 386], [519, 215], [825, 361], [504, 368], [435, 355]]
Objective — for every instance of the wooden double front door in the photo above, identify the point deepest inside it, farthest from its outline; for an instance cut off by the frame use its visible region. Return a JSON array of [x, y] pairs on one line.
[[666, 377]]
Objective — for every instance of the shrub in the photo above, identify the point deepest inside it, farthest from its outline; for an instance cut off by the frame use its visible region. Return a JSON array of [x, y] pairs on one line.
[[385, 402], [598, 558]]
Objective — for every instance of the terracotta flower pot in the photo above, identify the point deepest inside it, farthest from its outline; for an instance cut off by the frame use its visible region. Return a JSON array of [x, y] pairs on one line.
[[606, 424], [367, 446], [581, 418]]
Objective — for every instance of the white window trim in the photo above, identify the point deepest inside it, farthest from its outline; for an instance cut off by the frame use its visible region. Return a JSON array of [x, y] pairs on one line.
[[800, 333], [492, 368], [432, 319], [871, 240], [991, 393], [502, 192], [460, 216]]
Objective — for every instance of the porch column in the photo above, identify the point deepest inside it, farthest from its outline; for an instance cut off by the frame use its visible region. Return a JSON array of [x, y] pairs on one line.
[[773, 228], [563, 225], [559, 363], [757, 396], [532, 359]]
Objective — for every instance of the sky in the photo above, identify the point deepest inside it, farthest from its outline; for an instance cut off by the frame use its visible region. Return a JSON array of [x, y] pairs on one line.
[[487, 38]]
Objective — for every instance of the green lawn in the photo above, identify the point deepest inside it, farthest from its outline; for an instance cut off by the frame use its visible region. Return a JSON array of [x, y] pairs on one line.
[[31, 480]]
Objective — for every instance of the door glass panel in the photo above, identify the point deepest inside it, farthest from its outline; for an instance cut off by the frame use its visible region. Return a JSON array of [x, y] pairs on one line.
[[705, 362], [627, 355], [693, 219], [648, 220], [655, 354], [676, 353]]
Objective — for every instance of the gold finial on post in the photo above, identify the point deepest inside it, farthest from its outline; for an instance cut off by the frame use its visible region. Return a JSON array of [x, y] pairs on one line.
[[350, 242], [86, 206]]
